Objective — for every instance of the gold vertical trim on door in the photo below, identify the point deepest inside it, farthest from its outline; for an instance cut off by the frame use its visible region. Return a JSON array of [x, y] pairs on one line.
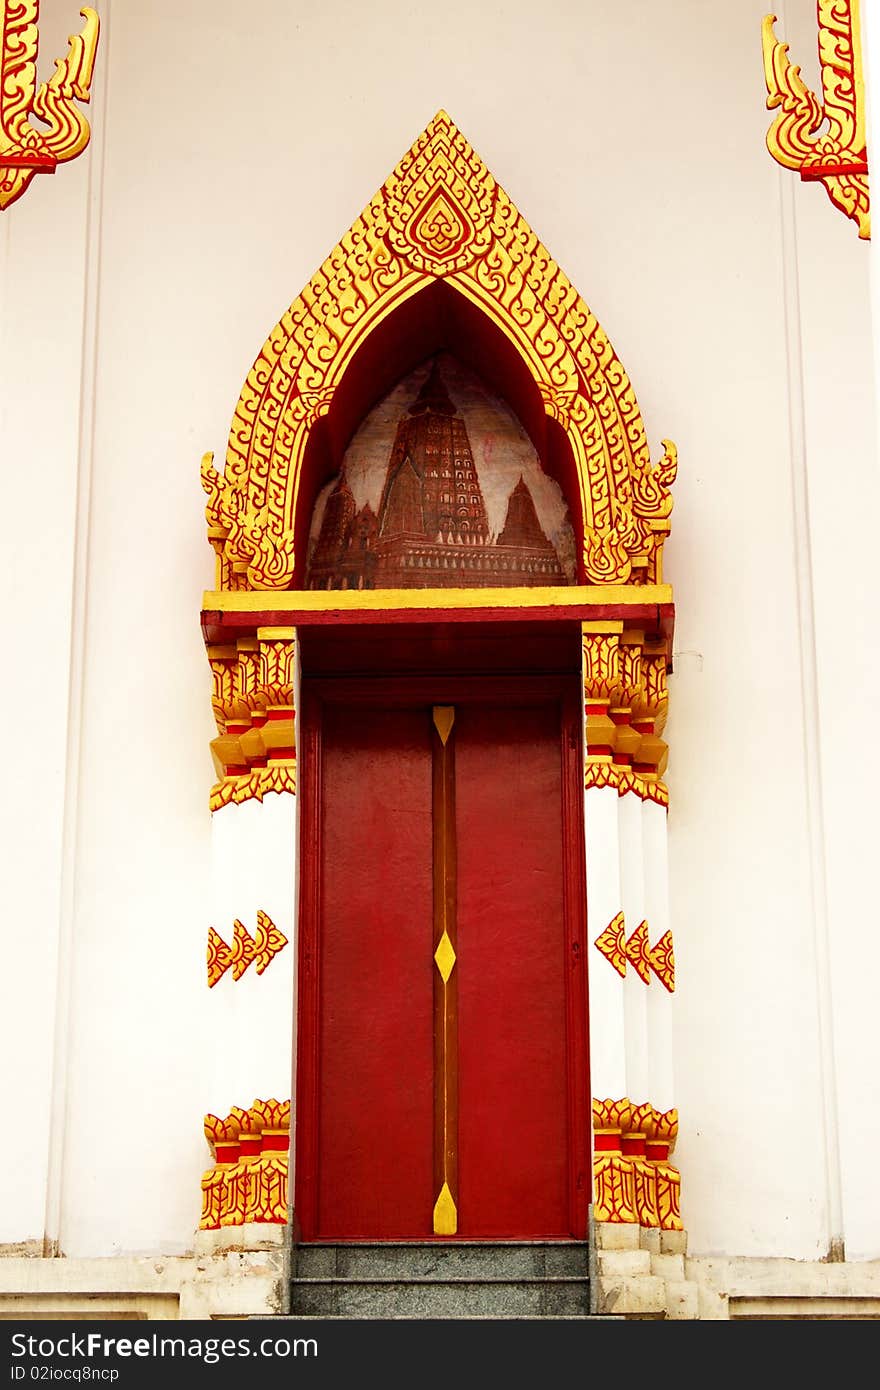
[[445, 1216]]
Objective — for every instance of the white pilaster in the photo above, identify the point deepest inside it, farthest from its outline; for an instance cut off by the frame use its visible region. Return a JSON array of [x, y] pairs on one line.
[[254, 869], [607, 1034], [635, 991], [659, 999]]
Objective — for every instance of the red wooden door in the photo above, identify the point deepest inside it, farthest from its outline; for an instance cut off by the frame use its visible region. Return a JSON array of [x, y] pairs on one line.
[[367, 1055]]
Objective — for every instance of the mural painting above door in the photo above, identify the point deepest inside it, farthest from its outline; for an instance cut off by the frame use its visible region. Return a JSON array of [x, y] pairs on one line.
[[440, 487]]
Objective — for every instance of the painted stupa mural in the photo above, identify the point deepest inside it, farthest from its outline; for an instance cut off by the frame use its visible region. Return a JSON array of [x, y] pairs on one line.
[[440, 487]]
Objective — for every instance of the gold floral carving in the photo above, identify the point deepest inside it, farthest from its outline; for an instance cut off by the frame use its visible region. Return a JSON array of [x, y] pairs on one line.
[[222, 1136], [645, 1194], [611, 942], [613, 1188], [254, 786], [601, 667], [625, 705], [261, 948], [268, 941], [243, 951], [661, 1132], [637, 952], [235, 1190], [248, 1180], [219, 957], [656, 691], [824, 140], [633, 1179], [632, 680], [25, 149], [266, 1198], [661, 959], [255, 750], [439, 216]]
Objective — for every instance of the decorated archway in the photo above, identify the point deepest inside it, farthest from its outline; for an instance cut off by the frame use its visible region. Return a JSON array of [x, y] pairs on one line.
[[441, 262]]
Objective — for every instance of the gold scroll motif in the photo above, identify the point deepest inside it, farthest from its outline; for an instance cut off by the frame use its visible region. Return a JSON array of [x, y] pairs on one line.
[[440, 216], [248, 1179], [633, 1180], [253, 701], [25, 149], [261, 948], [837, 157]]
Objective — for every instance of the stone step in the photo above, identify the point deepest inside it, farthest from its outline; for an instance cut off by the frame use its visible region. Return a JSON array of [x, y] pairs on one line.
[[407, 1260], [553, 1296], [441, 1279]]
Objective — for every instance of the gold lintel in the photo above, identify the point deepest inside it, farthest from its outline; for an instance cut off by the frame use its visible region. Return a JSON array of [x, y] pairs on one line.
[[585, 596]]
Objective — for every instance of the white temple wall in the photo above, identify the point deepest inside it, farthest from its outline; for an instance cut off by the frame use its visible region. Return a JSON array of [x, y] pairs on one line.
[[237, 148], [43, 357]]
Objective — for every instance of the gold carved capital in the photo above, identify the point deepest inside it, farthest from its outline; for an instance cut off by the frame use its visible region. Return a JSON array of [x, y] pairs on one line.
[[254, 682]]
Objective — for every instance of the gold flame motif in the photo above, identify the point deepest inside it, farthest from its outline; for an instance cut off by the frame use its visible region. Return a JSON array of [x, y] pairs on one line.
[[26, 150], [837, 157]]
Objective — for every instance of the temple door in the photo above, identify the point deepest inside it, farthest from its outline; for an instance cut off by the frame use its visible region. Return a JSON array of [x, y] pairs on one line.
[[442, 1022]]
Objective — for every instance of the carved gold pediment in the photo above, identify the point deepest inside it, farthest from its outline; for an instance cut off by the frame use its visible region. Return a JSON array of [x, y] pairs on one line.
[[440, 217]]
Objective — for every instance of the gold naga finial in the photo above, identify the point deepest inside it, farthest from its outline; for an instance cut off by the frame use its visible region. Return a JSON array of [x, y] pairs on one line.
[[838, 157], [25, 150]]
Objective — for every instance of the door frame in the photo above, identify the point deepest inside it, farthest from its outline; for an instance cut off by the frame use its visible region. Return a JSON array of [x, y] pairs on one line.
[[399, 690]]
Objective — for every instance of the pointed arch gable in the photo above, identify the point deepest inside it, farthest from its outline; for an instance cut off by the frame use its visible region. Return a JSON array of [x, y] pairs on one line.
[[440, 216]]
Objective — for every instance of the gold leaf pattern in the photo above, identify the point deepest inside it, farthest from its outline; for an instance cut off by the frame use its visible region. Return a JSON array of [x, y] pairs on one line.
[[662, 961], [637, 952], [611, 942], [623, 780], [268, 941], [244, 951], [219, 957]]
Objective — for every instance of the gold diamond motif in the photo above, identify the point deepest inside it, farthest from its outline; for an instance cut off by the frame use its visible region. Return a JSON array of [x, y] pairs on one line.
[[445, 957]]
